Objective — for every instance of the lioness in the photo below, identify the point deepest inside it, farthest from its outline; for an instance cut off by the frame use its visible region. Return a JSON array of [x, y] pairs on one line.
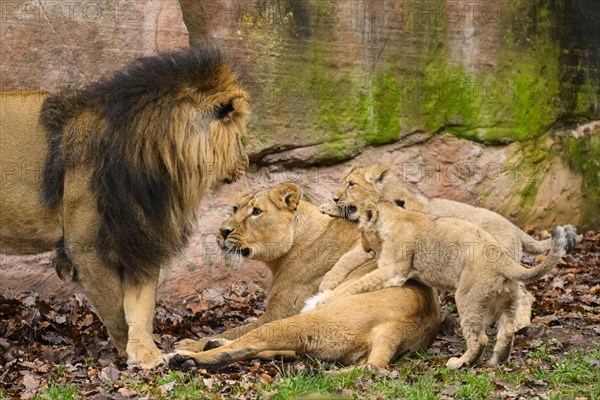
[[376, 182], [115, 172], [451, 254], [299, 244]]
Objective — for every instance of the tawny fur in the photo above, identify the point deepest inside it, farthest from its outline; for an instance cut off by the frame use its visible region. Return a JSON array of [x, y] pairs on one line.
[[376, 182], [299, 244], [450, 254], [116, 171]]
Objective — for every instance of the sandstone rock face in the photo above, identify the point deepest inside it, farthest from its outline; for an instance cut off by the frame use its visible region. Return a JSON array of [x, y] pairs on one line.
[[330, 78], [49, 44]]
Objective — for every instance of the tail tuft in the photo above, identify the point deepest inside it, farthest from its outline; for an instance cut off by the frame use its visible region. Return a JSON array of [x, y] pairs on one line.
[[560, 241], [571, 236]]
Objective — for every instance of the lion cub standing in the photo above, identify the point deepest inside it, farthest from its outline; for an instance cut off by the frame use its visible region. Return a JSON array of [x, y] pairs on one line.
[[376, 182], [451, 254]]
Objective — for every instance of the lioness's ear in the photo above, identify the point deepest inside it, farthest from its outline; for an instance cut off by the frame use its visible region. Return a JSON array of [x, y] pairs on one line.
[[245, 196], [377, 173], [286, 196]]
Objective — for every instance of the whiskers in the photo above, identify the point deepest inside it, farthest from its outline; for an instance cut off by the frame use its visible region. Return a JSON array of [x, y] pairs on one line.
[[232, 257]]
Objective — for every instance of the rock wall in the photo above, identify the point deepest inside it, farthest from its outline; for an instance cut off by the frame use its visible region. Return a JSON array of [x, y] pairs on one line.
[[491, 103], [49, 44], [332, 77]]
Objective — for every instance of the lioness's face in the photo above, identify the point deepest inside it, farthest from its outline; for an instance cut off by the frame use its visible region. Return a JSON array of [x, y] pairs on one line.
[[355, 190], [261, 226]]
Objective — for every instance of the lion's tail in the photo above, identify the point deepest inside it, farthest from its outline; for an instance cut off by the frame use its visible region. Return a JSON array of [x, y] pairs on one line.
[[533, 246], [560, 242], [56, 111]]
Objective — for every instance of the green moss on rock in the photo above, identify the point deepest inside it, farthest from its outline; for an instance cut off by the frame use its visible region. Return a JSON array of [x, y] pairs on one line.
[[584, 157]]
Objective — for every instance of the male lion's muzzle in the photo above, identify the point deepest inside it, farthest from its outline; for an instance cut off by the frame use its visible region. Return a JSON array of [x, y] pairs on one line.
[[238, 171]]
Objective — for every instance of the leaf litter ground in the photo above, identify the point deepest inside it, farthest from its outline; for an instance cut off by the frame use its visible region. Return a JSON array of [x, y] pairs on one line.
[[50, 343]]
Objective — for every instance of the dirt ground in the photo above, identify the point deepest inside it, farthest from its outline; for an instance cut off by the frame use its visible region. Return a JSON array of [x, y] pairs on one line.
[[49, 341]]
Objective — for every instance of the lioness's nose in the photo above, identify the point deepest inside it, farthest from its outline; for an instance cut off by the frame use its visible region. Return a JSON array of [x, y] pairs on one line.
[[336, 199], [225, 233]]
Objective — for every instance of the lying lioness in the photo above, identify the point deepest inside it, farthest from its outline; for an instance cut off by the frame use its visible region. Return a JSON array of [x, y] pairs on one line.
[[451, 254], [376, 182], [299, 244]]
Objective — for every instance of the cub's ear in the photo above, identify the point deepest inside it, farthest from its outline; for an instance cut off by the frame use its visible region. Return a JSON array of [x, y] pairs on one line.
[[377, 173], [352, 168], [286, 196], [371, 212]]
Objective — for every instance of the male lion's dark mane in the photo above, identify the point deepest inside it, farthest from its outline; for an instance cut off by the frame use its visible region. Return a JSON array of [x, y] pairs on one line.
[[143, 219]]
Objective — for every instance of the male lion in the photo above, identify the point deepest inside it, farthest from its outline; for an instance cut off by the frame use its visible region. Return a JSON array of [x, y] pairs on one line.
[[376, 182], [452, 254], [299, 244], [125, 163]]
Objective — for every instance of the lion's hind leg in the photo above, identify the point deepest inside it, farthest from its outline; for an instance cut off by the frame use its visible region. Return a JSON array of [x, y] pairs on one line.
[[525, 301], [473, 328], [506, 331], [384, 345]]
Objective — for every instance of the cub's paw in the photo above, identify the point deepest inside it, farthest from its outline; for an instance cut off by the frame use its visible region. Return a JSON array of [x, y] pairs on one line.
[[329, 282], [331, 209], [492, 362], [326, 299], [454, 363]]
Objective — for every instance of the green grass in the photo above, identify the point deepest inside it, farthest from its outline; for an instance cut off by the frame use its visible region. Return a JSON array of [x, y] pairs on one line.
[[423, 377], [546, 371], [56, 392]]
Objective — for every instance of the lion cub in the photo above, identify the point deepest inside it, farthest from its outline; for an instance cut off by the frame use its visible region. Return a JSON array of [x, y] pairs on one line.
[[376, 182], [451, 254]]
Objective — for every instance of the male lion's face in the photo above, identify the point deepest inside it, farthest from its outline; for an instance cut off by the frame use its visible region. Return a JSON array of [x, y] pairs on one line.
[[359, 187], [261, 226], [227, 112]]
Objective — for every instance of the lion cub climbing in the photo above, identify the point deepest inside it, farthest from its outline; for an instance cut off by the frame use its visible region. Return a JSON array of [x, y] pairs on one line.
[[376, 182], [451, 254]]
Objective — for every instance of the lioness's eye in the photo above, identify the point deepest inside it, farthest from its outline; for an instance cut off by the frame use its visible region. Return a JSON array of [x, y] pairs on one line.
[[256, 211], [234, 209], [350, 184]]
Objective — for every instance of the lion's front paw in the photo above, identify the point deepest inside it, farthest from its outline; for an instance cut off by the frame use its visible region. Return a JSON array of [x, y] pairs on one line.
[[190, 345], [181, 360], [331, 209], [144, 356], [454, 363]]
